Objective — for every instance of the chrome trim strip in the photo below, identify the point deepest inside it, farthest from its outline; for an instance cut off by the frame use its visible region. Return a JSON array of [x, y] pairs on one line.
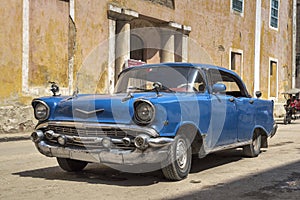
[[85, 125], [89, 112], [160, 142], [231, 146], [153, 142]]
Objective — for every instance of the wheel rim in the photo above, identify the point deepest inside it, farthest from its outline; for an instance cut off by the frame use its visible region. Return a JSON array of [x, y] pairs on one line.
[[181, 154]]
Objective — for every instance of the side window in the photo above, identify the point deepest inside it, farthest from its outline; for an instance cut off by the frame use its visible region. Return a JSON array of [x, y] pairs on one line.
[[237, 5], [233, 85], [274, 14]]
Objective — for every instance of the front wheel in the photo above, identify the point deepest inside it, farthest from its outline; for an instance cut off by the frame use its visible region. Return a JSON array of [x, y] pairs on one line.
[[71, 165], [178, 164], [253, 149]]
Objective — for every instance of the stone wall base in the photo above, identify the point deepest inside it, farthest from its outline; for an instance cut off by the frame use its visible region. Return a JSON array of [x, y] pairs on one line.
[[16, 119]]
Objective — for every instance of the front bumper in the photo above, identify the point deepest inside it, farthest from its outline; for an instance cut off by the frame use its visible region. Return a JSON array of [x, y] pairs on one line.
[[125, 157], [127, 149]]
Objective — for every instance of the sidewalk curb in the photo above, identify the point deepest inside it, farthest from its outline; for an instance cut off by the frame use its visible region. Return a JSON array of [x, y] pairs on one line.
[[14, 138]]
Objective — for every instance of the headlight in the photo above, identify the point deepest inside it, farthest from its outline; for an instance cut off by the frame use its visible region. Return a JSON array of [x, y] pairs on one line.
[[41, 111], [144, 112]]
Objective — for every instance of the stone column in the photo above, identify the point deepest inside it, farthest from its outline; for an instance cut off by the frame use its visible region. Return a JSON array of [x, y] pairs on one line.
[[171, 34], [168, 46], [122, 46], [120, 49], [111, 55], [185, 43]]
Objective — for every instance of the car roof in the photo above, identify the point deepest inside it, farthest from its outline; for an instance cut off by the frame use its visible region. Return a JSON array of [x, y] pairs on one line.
[[181, 64]]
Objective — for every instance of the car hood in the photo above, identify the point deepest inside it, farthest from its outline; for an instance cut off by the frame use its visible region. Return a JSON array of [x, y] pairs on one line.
[[99, 108]]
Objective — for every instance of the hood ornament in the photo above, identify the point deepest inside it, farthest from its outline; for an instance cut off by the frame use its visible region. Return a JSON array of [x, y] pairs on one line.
[[54, 88]]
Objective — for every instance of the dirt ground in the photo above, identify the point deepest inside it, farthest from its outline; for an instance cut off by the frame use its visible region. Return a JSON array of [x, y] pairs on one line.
[[274, 174]]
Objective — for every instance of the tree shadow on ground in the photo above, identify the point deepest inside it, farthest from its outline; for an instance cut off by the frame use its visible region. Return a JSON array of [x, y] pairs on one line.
[[274, 184]]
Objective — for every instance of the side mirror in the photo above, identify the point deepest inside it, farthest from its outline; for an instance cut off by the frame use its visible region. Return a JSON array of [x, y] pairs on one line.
[[258, 94], [219, 87], [157, 86]]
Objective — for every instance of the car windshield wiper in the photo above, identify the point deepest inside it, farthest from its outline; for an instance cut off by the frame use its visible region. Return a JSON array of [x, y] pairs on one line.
[[140, 89], [165, 88]]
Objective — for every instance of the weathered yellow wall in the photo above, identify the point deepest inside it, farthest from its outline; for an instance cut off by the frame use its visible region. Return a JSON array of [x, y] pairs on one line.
[[277, 44], [213, 25], [92, 45], [49, 23], [10, 51]]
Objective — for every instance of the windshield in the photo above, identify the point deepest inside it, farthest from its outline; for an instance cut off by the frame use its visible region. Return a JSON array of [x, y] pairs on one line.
[[172, 79]]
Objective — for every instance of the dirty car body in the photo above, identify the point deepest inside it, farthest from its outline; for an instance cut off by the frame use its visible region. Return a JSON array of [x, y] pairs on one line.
[[159, 113]]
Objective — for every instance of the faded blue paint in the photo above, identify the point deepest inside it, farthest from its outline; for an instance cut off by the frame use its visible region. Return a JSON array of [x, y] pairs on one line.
[[224, 119]]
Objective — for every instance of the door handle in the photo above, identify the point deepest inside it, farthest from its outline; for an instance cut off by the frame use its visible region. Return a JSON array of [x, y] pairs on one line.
[[231, 99]]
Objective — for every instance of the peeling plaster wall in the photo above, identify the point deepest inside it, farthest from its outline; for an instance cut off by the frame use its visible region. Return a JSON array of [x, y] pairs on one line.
[[49, 23], [53, 40], [15, 114], [92, 45], [10, 51], [277, 44]]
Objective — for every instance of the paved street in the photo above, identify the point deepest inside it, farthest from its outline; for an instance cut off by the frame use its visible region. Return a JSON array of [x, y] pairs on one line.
[[275, 174]]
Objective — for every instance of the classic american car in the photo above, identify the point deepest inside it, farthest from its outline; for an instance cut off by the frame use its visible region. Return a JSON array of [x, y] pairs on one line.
[[159, 113]]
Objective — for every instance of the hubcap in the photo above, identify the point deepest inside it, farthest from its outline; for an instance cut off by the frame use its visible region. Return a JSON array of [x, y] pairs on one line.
[[181, 154]]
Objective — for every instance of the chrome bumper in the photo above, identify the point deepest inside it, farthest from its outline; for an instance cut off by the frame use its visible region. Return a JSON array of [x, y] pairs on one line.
[[274, 130], [126, 157], [147, 147]]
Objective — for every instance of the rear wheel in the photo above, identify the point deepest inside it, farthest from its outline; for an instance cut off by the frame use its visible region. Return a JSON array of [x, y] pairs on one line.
[[253, 149], [178, 164], [71, 165]]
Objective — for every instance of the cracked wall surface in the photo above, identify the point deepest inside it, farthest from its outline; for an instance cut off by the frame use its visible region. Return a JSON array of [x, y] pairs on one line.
[[60, 47]]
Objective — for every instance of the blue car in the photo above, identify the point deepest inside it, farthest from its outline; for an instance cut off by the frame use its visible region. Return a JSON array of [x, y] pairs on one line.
[[160, 115]]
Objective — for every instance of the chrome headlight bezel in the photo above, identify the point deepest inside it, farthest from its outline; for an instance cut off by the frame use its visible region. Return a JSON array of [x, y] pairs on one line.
[[41, 110], [144, 112]]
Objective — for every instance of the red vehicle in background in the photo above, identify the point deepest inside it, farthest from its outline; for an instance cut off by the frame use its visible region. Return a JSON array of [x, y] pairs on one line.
[[292, 106]]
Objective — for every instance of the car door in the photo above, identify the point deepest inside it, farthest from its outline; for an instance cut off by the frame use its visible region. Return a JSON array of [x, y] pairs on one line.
[[245, 106], [246, 117], [224, 116]]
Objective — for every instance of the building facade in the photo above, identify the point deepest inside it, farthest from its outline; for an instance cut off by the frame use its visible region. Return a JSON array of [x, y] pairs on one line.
[[85, 44], [297, 73]]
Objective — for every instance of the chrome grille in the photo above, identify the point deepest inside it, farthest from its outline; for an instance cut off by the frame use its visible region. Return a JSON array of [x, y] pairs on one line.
[[89, 133], [95, 132]]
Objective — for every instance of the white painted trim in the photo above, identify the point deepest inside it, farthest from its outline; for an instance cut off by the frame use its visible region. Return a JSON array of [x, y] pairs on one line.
[[257, 47], [294, 43], [25, 50], [236, 12], [71, 61], [242, 59], [269, 80], [72, 9], [271, 27]]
